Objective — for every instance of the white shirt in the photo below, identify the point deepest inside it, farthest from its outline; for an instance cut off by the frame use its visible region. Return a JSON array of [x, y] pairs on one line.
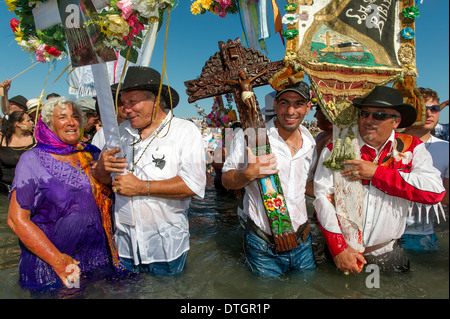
[[439, 150], [161, 229], [99, 139], [294, 172]]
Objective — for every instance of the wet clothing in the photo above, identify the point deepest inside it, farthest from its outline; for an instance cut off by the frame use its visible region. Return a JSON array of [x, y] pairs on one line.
[[62, 205], [403, 179], [156, 229]]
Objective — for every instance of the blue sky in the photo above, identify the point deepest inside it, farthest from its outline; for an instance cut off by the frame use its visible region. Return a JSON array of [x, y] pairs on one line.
[[193, 39]]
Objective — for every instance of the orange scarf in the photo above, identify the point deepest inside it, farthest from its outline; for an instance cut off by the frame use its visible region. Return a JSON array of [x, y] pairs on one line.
[[101, 194]]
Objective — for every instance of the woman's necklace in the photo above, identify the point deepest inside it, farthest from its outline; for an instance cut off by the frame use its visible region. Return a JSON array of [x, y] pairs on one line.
[[143, 152], [76, 166]]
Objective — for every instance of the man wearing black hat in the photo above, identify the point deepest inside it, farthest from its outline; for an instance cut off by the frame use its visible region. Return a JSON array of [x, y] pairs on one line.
[[396, 172], [163, 167], [292, 149]]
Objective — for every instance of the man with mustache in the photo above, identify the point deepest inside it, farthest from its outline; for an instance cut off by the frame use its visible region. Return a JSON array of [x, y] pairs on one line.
[[396, 172], [419, 235], [292, 154]]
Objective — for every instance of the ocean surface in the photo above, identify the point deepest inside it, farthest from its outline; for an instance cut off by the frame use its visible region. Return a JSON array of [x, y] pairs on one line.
[[215, 268]]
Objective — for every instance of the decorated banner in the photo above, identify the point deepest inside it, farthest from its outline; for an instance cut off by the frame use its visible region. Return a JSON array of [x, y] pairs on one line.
[[348, 47]]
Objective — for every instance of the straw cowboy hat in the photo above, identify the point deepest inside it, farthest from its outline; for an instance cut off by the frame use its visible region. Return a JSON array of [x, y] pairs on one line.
[[387, 97], [140, 78]]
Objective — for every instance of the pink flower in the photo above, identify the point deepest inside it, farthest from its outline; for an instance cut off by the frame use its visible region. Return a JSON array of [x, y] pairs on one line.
[[125, 6], [40, 53], [225, 3], [224, 119], [223, 13]]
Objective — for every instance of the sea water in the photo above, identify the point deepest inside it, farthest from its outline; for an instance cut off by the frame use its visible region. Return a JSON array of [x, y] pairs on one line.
[[215, 268]]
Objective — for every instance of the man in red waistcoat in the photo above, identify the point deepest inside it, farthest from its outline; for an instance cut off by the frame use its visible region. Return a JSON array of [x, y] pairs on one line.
[[397, 173]]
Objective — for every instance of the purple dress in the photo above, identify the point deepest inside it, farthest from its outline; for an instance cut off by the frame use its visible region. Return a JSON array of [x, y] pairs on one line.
[[61, 203]]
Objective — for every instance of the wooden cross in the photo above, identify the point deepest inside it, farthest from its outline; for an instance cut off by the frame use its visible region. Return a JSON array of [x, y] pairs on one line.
[[228, 66], [238, 69]]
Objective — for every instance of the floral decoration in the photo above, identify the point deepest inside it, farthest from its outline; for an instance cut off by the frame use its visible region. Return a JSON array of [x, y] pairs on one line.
[[290, 7], [221, 116], [407, 33], [121, 26], [290, 18], [290, 34], [411, 12], [219, 7], [275, 202]]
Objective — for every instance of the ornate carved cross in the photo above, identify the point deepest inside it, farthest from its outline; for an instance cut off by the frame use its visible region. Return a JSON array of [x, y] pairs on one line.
[[238, 69], [228, 65]]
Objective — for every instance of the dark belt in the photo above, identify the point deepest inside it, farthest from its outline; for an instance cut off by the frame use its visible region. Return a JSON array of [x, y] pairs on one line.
[[302, 232]]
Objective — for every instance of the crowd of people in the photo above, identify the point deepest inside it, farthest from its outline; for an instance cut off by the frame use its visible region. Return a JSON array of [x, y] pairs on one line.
[[78, 207]]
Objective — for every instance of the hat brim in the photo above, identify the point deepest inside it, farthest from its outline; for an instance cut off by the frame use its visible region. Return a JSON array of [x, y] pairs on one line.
[[302, 94], [267, 113], [168, 97], [407, 112]]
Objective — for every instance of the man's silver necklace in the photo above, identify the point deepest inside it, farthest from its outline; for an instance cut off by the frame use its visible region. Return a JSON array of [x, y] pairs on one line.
[[159, 129], [296, 142]]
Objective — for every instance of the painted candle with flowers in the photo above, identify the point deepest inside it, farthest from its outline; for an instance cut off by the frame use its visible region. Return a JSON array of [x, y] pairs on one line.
[[275, 204]]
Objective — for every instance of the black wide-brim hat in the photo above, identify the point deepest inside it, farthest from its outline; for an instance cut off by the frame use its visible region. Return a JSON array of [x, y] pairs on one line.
[[387, 97], [19, 100], [141, 78]]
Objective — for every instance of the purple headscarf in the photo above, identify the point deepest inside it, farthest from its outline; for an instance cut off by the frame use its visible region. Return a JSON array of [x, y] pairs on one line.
[[49, 142]]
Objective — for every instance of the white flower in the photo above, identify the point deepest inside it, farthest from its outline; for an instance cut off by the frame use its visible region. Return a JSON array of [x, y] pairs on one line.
[[406, 157], [145, 8], [290, 18]]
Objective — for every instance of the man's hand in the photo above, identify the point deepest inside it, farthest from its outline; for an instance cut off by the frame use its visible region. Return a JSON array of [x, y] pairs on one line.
[[108, 163], [260, 166], [350, 261], [361, 170], [6, 85], [127, 185]]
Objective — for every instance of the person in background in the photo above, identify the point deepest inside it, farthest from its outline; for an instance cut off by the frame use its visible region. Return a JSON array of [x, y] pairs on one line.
[[395, 170], [57, 208], [16, 138], [32, 107], [419, 233], [268, 110], [51, 96], [16, 103], [219, 156], [292, 154], [92, 118], [165, 165], [325, 137]]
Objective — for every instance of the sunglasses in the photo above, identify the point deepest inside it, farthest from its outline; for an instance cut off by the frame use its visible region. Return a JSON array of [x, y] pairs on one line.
[[379, 116], [434, 108]]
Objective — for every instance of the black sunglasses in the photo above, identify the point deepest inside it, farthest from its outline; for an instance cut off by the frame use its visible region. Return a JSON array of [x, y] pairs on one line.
[[379, 116], [434, 108]]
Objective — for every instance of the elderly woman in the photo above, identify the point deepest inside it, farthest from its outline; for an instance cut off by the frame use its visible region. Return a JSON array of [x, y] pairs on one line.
[[59, 212]]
